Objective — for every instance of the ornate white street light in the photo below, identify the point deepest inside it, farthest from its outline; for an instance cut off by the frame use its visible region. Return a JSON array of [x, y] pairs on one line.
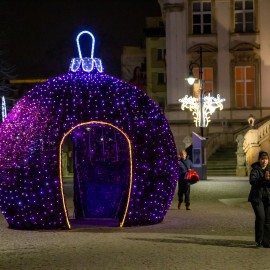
[[202, 110], [204, 106]]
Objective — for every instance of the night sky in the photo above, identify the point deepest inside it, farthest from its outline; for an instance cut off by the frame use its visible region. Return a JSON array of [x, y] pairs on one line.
[[40, 35]]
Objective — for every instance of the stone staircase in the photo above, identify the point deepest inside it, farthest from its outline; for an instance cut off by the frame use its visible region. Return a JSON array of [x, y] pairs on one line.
[[223, 162]]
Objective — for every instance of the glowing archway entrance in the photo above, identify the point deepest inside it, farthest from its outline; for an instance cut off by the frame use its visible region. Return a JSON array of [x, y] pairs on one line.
[[102, 171]]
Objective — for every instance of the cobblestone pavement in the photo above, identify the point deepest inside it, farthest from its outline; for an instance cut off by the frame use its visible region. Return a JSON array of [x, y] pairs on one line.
[[218, 233]]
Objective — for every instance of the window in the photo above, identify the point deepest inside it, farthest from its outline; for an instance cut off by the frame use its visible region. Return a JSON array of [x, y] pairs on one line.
[[245, 86], [201, 17], [161, 78], [161, 54], [244, 16], [207, 77]]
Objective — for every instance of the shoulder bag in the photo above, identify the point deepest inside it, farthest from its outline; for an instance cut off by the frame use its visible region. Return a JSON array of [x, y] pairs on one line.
[[191, 175]]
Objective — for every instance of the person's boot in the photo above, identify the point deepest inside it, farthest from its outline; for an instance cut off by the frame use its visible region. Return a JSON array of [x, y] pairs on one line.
[[188, 207], [179, 205]]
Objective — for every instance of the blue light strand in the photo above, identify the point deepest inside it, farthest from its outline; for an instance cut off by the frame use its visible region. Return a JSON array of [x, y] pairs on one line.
[[4, 109]]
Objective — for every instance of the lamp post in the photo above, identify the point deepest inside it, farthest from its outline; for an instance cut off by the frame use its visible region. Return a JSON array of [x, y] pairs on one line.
[[204, 106], [201, 90]]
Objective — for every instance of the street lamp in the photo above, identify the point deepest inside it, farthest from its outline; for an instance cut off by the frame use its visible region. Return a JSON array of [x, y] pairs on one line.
[[204, 106]]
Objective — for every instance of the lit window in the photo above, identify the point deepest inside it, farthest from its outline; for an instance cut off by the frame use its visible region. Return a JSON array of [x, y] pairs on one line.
[[245, 86], [244, 16], [201, 17], [207, 77]]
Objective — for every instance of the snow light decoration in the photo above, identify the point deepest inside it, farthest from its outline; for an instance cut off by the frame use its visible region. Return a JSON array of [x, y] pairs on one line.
[[4, 108], [124, 152], [201, 110]]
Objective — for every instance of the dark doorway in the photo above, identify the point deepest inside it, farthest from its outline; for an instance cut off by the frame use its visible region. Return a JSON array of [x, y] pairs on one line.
[[102, 172]]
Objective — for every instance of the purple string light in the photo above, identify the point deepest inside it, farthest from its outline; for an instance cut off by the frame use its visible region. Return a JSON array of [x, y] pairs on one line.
[[30, 138]]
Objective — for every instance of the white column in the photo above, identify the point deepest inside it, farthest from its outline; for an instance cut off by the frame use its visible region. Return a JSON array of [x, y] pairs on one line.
[[264, 23], [174, 12], [223, 39]]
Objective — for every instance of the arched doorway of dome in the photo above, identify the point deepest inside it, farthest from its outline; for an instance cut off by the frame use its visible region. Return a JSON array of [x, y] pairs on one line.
[[102, 174]]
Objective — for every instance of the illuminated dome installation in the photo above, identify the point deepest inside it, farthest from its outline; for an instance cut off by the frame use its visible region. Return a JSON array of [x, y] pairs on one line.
[[125, 159]]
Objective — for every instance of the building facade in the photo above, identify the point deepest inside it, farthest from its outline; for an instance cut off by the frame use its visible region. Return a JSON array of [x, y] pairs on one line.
[[234, 36]]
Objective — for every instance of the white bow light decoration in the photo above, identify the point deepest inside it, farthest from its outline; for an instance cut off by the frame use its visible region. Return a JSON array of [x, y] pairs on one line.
[[86, 63]]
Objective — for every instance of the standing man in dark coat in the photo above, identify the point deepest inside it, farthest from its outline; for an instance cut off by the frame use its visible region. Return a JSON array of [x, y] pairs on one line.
[[183, 184], [259, 197]]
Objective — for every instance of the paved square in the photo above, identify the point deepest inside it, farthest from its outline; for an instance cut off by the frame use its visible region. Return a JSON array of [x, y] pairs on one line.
[[218, 233]]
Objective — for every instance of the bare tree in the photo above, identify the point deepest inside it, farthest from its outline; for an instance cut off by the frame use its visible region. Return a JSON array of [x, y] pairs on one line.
[[7, 72]]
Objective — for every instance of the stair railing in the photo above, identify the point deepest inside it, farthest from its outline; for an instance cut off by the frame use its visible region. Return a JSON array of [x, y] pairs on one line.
[[248, 149], [256, 140], [212, 144], [216, 140]]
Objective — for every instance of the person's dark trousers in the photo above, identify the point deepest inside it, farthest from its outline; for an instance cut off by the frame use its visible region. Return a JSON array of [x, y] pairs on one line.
[[184, 190], [262, 222]]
